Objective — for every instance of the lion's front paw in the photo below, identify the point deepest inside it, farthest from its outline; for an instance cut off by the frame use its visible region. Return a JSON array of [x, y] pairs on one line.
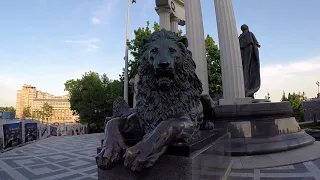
[[141, 156], [109, 154]]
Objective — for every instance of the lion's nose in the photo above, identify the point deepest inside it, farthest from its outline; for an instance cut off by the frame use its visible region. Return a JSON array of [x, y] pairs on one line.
[[164, 65]]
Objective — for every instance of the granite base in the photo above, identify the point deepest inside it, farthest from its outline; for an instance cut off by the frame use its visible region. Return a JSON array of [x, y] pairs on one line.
[[261, 128], [210, 162]]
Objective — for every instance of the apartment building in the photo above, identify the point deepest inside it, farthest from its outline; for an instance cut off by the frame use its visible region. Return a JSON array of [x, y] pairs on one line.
[[30, 96]]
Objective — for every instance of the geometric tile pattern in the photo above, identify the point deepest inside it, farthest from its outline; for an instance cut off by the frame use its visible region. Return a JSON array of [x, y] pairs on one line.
[[72, 158], [302, 171], [54, 158]]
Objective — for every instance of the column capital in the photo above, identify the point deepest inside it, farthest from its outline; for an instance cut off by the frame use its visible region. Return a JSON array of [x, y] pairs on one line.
[[174, 18], [163, 10]]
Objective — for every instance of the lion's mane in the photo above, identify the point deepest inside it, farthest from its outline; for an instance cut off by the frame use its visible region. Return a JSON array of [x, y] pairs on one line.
[[183, 97]]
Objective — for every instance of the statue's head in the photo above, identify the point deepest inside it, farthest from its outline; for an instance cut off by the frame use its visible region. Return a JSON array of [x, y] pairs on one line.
[[165, 59], [244, 28], [167, 76]]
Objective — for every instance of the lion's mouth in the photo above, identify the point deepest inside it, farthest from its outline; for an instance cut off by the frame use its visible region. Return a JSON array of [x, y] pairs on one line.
[[160, 73], [164, 82]]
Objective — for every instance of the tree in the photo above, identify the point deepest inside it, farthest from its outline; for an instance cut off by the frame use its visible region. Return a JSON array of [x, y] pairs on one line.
[[214, 67], [92, 96], [284, 98], [8, 109], [36, 114], [303, 96], [46, 111], [296, 103], [26, 113], [267, 96]]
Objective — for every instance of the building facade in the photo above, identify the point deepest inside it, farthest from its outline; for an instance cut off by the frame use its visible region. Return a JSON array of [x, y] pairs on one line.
[[30, 96]]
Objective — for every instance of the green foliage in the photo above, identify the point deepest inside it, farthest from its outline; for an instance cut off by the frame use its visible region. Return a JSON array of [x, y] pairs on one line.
[[46, 111], [92, 96], [8, 109], [296, 103], [214, 67], [26, 113]]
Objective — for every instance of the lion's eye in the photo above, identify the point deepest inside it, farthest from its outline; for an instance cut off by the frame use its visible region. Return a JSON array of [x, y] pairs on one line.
[[172, 50], [154, 50]]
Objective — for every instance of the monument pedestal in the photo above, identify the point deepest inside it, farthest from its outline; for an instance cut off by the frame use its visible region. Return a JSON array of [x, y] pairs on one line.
[[208, 157], [260, 128]]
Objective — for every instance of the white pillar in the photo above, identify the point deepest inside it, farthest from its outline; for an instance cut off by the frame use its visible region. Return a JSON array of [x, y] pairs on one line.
[[164, 15], [136, 80], [174, 21], [231, 63], [195, 35]]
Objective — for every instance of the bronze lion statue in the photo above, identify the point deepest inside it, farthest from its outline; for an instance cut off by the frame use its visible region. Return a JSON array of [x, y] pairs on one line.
[[169, 105]]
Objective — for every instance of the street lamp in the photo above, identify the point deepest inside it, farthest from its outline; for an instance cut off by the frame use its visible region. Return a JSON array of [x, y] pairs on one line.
[[318, 84], [126, 57]]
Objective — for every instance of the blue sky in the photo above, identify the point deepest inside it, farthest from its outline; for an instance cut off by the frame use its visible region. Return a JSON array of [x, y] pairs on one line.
[[46, 42]]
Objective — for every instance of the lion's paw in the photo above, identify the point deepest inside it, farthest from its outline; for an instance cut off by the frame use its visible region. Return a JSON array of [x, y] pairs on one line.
[[108, 156], [140, 157]]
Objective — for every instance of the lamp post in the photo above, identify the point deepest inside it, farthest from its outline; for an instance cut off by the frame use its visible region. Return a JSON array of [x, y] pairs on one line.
[[318, 84], [126, 57]]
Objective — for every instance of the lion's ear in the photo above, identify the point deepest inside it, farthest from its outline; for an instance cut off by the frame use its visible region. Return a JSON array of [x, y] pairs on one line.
[[184, 40], [144, 41]]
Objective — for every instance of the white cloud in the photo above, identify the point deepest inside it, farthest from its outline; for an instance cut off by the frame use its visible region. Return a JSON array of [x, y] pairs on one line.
[[92, 47], [104, 11], [89, 44], [95, 20], [298, 76]]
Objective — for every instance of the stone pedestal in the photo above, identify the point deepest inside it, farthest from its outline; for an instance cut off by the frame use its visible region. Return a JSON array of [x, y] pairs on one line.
[[174, 22], [261, 128], [211, 161], [195, 35], [231, 63], [164, 15]]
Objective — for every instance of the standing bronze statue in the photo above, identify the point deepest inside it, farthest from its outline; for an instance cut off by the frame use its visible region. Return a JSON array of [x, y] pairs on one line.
[[250, 61]]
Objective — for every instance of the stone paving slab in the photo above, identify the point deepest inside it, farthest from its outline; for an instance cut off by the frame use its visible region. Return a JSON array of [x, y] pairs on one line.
[[72, 158], [54, 158], [302, 171]]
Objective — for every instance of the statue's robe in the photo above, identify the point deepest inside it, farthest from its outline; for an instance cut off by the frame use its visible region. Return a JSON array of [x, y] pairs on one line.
[[250, 63]]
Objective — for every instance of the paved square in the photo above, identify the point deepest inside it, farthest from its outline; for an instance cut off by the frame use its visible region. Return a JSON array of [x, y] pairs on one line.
[[54, 158], [72, 158], [302, 171]]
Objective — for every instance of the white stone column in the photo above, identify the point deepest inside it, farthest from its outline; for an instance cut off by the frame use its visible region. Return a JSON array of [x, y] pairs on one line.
[[136, 80], [164, 15], [231, 63], [195, 35], [174, 22]]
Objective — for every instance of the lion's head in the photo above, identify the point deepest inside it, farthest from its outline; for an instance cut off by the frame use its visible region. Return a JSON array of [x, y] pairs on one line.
[[168, 84]]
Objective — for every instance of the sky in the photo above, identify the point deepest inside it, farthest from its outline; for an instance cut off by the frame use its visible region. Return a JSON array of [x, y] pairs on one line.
[[44, 43]]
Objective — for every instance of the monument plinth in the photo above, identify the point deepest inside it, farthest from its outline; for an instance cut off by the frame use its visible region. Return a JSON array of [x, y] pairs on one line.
[[261, 128], [208, 156]]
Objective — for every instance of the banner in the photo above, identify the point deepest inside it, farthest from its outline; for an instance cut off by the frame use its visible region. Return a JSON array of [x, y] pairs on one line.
[[12, 134], [7, 115], [31, 132], [53, 131]]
